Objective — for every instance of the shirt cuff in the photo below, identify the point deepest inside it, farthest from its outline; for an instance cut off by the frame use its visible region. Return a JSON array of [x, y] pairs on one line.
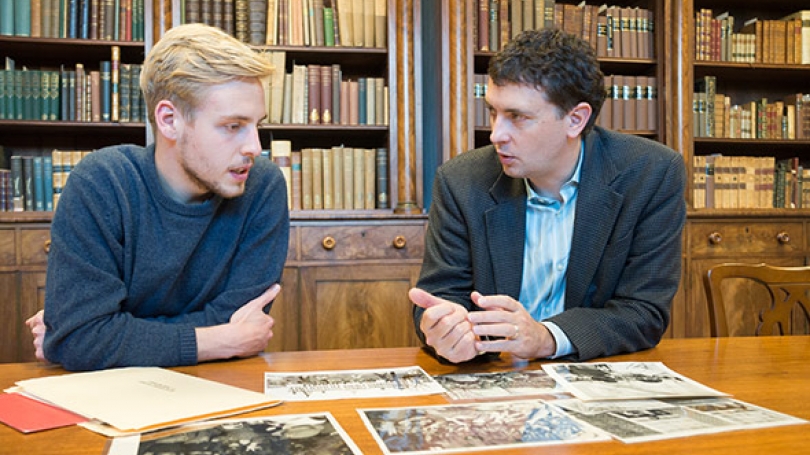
[[564, 346]]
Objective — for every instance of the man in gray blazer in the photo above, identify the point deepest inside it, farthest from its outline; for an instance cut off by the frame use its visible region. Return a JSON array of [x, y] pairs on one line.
[[561, 239]]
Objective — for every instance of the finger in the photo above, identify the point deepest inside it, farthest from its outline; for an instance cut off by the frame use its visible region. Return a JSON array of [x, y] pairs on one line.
[[497, 302], [35, 319], [424, 299], [265, 298]]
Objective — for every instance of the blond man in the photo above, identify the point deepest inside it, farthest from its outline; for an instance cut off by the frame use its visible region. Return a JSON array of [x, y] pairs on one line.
[[171, 254]]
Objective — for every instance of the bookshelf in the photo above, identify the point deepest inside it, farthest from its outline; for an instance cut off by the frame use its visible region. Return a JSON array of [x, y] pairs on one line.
[[465, 59], [769, 74], [719, 231]]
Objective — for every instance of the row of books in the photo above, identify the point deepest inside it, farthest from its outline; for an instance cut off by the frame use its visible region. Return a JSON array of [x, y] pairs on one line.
[[631, 103], [714, 115], [319, 94], [110, 94], [348, 23], [782, 41], [112, 20], [335, 178], [740, 182], [623, 32], [37, 180]]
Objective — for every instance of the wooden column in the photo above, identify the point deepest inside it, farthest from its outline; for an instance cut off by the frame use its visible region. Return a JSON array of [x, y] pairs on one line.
[[406, 118], [457, 53]]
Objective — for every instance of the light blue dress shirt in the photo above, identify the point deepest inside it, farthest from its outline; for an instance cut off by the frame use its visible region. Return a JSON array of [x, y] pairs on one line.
[[549, 228]]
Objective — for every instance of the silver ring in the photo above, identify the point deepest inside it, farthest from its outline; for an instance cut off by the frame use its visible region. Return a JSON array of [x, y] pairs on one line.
[[517, 332]]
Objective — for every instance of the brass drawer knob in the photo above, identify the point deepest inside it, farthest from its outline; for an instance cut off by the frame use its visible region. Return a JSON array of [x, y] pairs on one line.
[[715, 238], [783, 238], [328, 242], [47, 246], [400, 242]]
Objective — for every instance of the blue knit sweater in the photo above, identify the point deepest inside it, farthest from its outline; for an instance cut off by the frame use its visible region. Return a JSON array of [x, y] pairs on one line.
[[132, 273]]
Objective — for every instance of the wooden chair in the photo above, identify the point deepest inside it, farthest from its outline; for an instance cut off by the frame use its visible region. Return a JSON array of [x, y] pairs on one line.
[[787, 288]]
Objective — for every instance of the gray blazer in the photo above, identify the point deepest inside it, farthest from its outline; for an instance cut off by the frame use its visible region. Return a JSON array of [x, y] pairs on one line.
[[625, 262]]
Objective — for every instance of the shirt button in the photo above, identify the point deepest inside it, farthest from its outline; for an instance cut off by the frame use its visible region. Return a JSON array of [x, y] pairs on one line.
[[559, 267]]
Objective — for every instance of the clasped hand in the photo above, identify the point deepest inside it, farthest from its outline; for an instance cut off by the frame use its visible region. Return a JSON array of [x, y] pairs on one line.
[[503, 326]]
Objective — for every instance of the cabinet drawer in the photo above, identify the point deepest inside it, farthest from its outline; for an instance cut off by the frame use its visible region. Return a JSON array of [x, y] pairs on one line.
[[720, 239], [34, 246], [402, 241]]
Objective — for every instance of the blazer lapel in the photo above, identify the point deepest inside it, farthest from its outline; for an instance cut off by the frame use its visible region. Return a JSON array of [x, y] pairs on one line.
[[506, 230], [596, 201]]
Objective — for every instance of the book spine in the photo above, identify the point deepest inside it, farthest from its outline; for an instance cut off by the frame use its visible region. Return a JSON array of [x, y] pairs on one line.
[[358, 177], [337, 178], [348, 178], [39, 184], [295, 188], [369, 178], [105, 83], [314, 94], [382, 178], [124, 93], [17, 183], [306, 178], [362, 93], [317, 179], [28, 183], [114, 83], [327, 175]]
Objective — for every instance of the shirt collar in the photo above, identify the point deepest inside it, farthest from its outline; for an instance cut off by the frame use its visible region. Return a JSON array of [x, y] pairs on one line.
[[567, 191]]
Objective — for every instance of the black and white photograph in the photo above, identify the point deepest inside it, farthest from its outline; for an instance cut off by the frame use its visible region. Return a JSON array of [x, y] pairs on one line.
[[475, 426], [337, 384], [501, 384], [626, 381], [317, 434], [650, 420]]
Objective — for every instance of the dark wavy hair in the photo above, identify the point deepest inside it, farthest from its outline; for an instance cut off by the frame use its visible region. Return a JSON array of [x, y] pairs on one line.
[[562, 65]]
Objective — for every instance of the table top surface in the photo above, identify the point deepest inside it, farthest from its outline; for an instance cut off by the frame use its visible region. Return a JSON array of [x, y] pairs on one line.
[[772, 372]]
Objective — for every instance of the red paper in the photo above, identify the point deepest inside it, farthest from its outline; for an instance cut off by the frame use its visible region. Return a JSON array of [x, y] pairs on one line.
[[28, 415]]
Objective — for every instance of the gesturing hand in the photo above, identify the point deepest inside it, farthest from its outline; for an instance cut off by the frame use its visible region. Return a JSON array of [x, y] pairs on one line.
[[445, 326]]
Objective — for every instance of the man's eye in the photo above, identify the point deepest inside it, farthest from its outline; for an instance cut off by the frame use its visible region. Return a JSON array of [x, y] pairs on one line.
[[233, 126]]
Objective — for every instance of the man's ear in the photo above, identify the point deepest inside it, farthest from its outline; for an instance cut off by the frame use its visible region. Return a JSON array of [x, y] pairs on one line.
[[577, 118], [167, 119]]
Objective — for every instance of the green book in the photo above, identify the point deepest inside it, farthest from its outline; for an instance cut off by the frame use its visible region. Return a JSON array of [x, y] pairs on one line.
[[55, 96], [105, 90], [18, 94], [7, 17], [22, 17], [39, 184], [3, 97], [124, 92], [44, 95], [35, 99], [328, 27], [47, 179]]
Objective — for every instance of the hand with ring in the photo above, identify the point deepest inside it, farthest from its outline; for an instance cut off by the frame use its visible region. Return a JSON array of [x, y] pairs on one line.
[[504, 325]]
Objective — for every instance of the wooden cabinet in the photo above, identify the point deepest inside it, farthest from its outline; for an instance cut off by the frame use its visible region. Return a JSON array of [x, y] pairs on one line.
[[24, 247], [710, 240], [353, 282]]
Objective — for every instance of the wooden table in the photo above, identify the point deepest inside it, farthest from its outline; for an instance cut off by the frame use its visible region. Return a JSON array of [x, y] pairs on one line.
[[767, 371]]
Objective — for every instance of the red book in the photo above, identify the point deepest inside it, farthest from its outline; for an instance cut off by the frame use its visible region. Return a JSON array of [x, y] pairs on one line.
[[314, 94], [326, 95]]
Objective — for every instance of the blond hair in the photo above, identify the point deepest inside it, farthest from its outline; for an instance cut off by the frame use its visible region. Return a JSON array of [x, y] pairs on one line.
[[191, 58]]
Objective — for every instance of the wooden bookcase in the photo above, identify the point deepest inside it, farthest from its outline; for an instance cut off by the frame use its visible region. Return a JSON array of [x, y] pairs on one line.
[[742, 82], [712, 235]]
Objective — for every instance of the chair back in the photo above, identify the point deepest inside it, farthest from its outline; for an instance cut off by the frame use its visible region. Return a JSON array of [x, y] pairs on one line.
[[782, 309]]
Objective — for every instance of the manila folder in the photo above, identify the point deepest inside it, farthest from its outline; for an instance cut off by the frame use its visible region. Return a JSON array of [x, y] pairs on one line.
[[144, 398]]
